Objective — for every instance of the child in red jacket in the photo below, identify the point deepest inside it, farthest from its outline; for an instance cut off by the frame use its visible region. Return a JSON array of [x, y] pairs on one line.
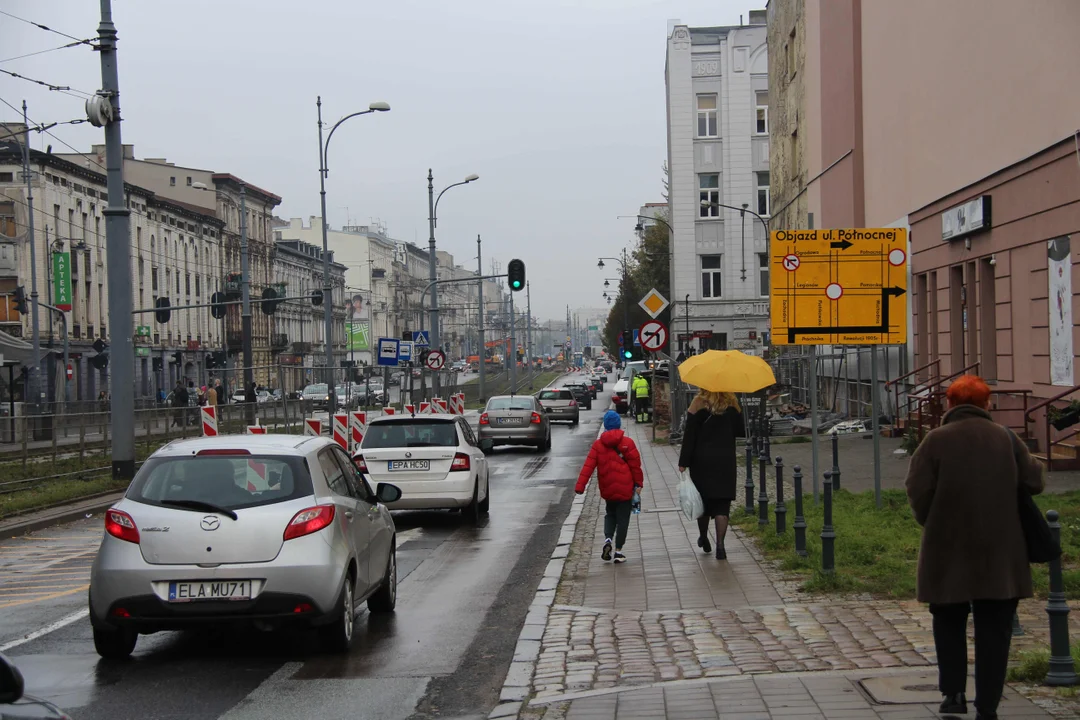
[[617, 463]]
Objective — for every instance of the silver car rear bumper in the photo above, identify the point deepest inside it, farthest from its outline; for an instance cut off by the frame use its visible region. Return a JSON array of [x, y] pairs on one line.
[[530, 434]]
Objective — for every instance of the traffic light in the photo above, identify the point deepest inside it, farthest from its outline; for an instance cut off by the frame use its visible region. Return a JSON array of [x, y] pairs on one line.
[[178, 357], [515, 273], [270, 301], [20, 299], [627, 349], [163, 313], [216, 359], [101, 360], [156, 363], [217, 307], [316, 297]]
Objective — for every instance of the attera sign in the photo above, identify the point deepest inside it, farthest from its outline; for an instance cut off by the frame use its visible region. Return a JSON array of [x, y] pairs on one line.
[[970, 217]]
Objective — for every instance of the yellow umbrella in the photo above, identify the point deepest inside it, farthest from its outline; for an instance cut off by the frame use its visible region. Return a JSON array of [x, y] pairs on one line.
[[727, 371]]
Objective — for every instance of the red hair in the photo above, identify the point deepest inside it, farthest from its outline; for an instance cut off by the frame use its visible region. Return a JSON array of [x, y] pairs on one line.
[[968, 390]]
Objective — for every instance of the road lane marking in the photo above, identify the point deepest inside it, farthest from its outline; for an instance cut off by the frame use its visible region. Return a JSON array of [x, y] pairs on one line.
[[51, 627], [46, 597]]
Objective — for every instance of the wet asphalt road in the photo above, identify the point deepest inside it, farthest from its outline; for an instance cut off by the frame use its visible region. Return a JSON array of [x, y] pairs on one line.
[[463, 595]]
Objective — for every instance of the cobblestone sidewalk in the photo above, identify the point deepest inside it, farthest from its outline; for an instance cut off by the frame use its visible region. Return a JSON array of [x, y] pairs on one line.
[[675, 633]]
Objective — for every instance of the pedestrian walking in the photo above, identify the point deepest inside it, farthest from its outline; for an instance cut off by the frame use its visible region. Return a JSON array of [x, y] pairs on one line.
[[179, 403], [211, 396], [103, 401], [617, 463], [713, 421], [963, 484]]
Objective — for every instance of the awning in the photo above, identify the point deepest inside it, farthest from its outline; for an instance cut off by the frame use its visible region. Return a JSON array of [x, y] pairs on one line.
[[15, 349]]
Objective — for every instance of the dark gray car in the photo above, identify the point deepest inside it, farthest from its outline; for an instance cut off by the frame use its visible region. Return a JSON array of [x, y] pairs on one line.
[[515, 420], [560, 404]]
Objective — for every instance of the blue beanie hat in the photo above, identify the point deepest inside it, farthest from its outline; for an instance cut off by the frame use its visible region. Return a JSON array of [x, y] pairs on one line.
[[612, 421]]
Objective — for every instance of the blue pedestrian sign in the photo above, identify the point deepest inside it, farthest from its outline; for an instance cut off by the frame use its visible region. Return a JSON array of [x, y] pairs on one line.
[[637, 340], [420, 338], [388, 351], [405, 351]]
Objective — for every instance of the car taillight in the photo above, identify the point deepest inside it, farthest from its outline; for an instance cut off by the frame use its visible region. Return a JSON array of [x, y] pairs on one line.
[[573, 403], [223, 451], [309, 520], [361, 464], [484, 419], [461, 462], [120, 525], [535, 419]]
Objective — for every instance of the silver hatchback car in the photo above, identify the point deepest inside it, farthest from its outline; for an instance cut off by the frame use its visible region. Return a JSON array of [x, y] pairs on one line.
[[560, 404], [269, 529], [515, 420]]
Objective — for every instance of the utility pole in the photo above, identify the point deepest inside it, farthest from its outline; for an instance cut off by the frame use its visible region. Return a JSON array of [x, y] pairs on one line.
[[118, 249], [328, 290], [35, 369], [433, 263], [480, 299], [528, 332], [245, 309], [511, 357]]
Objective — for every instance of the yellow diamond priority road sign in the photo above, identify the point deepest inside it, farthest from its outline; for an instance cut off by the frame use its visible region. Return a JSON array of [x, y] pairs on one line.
[[843, 287], [653, 303]]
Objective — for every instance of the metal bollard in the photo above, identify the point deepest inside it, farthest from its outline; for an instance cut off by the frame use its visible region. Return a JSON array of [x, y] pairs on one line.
[[828, 535], [766, 449], [836, 461], [1062, 671], [763, 496], [750, 476], [800, 522], [781, 509]]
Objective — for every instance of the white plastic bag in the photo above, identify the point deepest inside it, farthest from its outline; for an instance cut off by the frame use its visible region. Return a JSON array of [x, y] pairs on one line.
[[690, 499]]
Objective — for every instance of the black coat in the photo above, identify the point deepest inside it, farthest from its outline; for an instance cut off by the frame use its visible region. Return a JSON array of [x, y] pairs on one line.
[[708, 449]]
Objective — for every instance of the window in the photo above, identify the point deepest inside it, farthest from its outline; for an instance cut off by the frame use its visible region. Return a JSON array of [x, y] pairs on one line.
[[706, 116], [762, 193], [710, 194], [793, 154], [187, 283], [172, 182], [763, 273], [7, 177], [762, 127], [789, 53], [177, 283], [198, 287], [189, 181], [711, 270]]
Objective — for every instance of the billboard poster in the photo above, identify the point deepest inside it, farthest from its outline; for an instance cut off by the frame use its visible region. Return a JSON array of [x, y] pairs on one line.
[[357, 323], [1060, 305]]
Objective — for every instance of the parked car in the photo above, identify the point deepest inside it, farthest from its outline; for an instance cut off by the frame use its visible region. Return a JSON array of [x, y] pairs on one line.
[[620, 393], [560, 404], [516, 420], [436, 460], [395, 378], [581, 393], [17, 705], [318, 395], [264, 528]]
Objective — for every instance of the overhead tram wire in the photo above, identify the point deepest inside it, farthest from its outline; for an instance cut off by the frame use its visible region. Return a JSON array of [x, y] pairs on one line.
[[77, 43], [46, 28], [50, 86]]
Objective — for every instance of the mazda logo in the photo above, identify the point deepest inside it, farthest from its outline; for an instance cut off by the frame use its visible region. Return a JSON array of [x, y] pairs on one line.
[[210, 522], [408, 454]]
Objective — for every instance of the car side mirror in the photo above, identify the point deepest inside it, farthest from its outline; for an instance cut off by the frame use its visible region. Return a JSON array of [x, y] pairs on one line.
[[487, 445], [11, 682], [387, 493]]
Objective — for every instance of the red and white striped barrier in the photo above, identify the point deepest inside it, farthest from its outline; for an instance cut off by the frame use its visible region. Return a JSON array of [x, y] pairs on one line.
[[425, 407], [442, 405], [260, 470], [457, 404], [340, 430], [313, 426], [388, 411], [411, 409], [357, 426], [209, 420], [256, 429]]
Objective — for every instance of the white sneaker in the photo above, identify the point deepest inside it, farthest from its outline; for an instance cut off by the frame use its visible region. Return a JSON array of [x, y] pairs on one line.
[[605, 554], [619, 557]]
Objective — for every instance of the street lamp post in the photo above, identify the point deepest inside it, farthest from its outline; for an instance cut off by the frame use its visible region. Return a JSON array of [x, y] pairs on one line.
[[328, 298], [625, 290], [433, 221]]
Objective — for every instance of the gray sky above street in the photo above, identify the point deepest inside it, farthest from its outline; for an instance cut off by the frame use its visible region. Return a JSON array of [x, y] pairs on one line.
[[558, 106]]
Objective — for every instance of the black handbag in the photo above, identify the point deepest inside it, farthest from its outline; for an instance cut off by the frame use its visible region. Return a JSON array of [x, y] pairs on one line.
[[1041, 545]]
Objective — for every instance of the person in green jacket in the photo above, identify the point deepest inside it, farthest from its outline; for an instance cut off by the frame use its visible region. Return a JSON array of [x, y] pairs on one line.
[[639, 389]]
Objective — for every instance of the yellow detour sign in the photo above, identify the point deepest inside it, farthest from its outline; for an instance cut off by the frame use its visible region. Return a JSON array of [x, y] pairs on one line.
[[843, 287]]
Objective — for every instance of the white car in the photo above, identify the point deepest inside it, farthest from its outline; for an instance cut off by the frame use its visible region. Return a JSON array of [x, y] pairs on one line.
[[436, 461]]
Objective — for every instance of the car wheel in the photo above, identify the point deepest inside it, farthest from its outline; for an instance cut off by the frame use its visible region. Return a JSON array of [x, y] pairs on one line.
[[114, 644], [575, 421], [472, 511], [485, 504], [337, 637], [385, 598]]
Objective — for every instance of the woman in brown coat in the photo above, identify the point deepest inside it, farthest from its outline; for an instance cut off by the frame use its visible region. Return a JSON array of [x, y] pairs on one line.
[[962, 484]]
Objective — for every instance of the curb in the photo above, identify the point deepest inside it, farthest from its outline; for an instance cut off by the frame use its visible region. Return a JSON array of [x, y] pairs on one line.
[[519, 677], [39, 520]]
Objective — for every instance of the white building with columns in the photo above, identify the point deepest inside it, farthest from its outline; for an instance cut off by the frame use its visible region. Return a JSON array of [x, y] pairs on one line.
[[718, 154]]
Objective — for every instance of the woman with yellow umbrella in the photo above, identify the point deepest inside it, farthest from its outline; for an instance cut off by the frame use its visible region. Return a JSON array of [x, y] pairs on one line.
[[714, 420]]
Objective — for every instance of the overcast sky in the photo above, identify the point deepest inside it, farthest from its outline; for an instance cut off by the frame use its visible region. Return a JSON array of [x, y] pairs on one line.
[[558, 105]]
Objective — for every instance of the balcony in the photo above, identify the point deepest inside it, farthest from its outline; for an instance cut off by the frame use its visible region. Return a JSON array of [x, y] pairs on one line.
[[279, 341], [301, 348], [234, 339]]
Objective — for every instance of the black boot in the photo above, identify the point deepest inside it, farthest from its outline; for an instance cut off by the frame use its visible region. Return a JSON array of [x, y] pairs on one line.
[[721, 554], [984, 716], [954, 704], [704, 544]]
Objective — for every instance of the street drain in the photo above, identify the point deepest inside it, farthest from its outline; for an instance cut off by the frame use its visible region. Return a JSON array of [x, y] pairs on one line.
[[906, 689]]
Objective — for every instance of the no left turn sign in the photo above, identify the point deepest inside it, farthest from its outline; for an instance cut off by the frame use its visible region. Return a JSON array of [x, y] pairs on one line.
[[653, 335], [436, 360]]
